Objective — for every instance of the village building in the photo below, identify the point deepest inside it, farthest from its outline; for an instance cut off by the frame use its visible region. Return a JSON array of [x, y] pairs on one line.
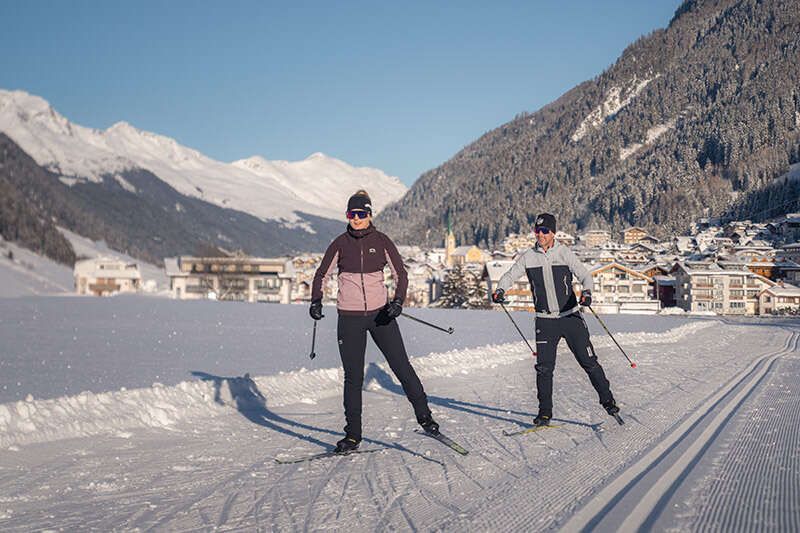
[[106, 276], [595, 238], [514, 243], [239, 278], [519, 296], [424, 284], [565, 238], [464, 255], [788, 271], [620, 289], [708, 287], [664, 290], [791, 252], [633, 235], [780, 298]]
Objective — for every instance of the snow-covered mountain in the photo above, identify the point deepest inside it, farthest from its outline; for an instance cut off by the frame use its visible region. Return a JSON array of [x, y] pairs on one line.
[[276, 190]]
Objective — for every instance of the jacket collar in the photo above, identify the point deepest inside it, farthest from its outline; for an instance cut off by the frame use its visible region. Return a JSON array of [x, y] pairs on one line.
[[359, 233], [539, 249]]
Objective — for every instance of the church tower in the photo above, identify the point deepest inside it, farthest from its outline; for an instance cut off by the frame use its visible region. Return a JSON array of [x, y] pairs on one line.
[[449, 244]]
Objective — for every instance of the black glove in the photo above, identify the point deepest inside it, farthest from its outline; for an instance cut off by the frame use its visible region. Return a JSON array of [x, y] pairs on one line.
[[586, 297], [316, 310], [498, 296], [394, 308]]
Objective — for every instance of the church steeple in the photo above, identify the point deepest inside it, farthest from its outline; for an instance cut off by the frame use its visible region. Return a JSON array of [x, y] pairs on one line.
[[449, 243]]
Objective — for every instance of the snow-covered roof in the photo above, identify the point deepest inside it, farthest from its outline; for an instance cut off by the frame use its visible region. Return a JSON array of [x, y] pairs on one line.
[[171, 267], [786, 290], [495, 269], [107, 267]]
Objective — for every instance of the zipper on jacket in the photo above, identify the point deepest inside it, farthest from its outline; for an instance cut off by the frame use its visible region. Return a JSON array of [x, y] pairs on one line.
[[363, 289]]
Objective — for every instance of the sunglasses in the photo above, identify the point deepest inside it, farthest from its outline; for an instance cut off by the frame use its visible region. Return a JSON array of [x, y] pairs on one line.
[[357, 214], [542, 229]]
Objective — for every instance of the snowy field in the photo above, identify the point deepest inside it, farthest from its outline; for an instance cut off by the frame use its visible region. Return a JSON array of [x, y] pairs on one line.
[[186, 405]]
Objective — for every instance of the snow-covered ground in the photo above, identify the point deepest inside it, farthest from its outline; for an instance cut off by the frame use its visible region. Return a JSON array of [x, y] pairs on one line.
[[711, 439], [24, 273]]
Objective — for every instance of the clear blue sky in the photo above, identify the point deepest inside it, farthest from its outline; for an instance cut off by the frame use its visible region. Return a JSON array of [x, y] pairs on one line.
[[401, 86]]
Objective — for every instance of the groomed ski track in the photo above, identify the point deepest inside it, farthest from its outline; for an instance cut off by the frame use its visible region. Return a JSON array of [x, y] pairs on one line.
[[637, 498], [700, 402]]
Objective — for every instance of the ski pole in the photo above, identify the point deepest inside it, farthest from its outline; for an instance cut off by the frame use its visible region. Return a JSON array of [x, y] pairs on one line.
[[533, 352], [313, 340], [449, 330], [633, 365]]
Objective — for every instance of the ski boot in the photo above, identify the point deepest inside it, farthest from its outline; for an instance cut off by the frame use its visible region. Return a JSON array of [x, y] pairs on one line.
[[613, 410], [611, 407], [429, 424], [347, 445], [542, 419]]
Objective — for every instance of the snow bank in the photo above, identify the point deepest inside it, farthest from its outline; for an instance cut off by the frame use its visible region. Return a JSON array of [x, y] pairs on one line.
[[86, 414]]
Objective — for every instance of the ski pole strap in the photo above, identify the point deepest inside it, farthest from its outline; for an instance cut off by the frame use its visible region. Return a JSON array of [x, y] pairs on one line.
[[449, 330], [519, 330]]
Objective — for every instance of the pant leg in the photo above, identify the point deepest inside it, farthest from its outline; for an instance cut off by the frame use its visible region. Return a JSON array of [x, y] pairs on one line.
[[352, 335], [547, 337], [576, 334], [389, 340]]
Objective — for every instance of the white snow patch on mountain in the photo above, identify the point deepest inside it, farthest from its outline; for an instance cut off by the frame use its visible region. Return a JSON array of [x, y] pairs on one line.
[[616, 99], [652, 134], [318, 185]]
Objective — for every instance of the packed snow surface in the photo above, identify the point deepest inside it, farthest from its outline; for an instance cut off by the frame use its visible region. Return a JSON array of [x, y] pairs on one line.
[[197, 454]]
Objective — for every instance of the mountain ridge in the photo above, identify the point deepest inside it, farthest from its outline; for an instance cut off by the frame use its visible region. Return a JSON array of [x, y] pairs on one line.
[[318, 184], [716, 121]]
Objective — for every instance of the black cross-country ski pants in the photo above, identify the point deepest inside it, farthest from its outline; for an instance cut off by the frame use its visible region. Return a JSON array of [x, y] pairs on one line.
[[352, 333], [572, 328]]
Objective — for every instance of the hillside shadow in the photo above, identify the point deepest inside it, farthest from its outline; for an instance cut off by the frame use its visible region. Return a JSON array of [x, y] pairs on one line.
[[252, 404]]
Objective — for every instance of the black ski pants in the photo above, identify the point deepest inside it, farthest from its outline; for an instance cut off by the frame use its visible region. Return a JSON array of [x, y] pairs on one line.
[[549, 331], [352, 333]]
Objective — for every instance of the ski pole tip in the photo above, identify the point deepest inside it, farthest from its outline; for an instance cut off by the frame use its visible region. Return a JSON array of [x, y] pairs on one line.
[[633, 365], [312, 355], [450, 330]]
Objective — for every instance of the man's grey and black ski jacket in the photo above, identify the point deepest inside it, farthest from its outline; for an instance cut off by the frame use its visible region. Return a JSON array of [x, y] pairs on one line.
[[550, 275]]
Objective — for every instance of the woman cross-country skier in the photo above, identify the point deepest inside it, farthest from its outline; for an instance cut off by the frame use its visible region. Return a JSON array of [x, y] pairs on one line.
[[359, 255]]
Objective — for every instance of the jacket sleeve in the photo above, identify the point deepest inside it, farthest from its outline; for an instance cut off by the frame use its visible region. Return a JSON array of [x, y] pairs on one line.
[[513, 273], [399, 273], [324, 270], [578, 269]]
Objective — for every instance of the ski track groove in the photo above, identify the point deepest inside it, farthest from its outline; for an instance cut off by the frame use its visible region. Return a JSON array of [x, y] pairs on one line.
[[650, 499], [731, 505], [507, 505]]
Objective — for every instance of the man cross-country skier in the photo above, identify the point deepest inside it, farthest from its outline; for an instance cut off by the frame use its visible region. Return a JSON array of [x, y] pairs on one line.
[[550, 267], [358, 256]]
